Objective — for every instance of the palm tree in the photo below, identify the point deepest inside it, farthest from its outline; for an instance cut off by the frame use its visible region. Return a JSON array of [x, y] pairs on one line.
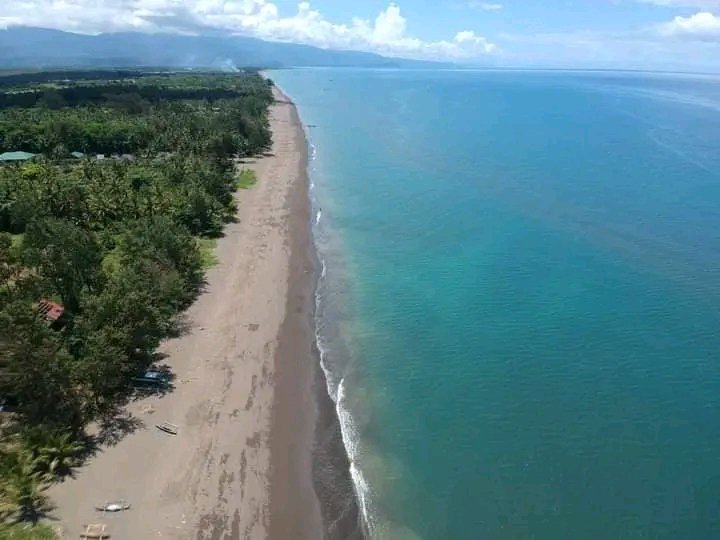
[[53, 453], [22, 495]]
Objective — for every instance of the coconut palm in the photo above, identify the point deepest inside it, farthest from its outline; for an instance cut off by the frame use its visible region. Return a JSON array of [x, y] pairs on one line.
[[22, 495], [53, 453]]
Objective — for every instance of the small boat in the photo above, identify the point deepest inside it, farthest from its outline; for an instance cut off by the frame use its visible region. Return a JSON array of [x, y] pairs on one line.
[[114, 506], [167, 427]]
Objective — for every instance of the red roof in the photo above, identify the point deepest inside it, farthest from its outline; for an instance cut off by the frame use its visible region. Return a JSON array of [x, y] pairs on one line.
[[52, 310]]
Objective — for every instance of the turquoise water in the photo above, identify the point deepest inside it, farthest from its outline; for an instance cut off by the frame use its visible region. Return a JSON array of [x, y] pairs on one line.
[[520, 312]]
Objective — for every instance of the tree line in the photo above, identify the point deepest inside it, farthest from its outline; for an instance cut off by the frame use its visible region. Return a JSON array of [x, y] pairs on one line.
[[21, 80], [123, 120], [154, 88], [115, 243]]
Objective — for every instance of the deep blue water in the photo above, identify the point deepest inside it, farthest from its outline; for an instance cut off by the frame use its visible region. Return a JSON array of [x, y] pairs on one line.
[[522, 298]]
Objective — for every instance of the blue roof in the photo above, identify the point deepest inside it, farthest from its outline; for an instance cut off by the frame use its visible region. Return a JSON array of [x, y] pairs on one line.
[[16, 156]]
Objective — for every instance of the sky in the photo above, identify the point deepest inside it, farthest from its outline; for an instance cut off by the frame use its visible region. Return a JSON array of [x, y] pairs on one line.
[[679, 35]]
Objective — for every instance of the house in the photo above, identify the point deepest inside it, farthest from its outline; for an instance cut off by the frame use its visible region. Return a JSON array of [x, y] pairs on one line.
[[52, 311], [15, 157]]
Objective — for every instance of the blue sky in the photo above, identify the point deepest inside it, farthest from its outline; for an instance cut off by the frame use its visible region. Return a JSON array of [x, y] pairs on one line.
[[642, 34], [438, 19]]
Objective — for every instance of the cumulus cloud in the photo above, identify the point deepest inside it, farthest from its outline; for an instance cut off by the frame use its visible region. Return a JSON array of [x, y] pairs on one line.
[[703, 26], [699, 4], [387, 33], [467, 36]]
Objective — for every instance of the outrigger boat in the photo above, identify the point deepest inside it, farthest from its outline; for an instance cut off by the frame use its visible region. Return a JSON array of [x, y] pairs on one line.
[[167, 427], [114, 506]]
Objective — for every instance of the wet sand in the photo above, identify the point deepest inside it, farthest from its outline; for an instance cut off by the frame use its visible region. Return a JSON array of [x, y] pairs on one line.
[[244, 396]]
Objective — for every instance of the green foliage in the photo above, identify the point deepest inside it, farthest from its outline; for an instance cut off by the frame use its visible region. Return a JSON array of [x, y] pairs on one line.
[[34, 367], [206, 247], [29, 460], [121, 243], [223, 115], [246, 179], [22, 494], [66, 256], [166, 244], [14, 279], [25, 531], [52, 452]]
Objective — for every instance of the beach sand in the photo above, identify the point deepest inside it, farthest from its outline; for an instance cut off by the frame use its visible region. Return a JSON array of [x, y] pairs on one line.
[[244, 395]]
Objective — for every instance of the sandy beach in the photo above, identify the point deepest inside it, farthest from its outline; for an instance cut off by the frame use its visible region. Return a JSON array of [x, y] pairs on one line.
[[244, 389]]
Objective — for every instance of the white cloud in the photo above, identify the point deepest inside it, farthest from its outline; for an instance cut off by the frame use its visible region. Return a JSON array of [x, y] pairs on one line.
[[702, 26], [699, 4], [648, 48], [387, 34], [467, 36], [485, 6]]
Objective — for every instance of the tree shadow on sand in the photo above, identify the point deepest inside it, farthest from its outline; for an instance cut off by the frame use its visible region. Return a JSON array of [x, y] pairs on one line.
[[115, 428], [182, 326]]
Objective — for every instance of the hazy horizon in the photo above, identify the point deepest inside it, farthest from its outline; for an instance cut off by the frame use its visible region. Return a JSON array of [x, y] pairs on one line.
[[655, 35]]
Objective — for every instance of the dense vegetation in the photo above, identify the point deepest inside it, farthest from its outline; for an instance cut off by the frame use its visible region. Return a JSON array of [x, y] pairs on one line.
[[116, 242], [21, 79]]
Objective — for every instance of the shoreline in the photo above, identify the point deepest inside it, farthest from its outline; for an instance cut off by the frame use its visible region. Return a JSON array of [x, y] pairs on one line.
[[322, 467], [294, 514], [245, 402]]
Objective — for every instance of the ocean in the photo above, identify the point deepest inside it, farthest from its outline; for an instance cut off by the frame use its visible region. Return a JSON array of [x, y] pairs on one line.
[[519, 308]]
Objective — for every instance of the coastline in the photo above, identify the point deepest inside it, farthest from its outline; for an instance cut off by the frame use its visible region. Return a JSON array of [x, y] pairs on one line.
[[309, 456], [246, 394], [294, 508]]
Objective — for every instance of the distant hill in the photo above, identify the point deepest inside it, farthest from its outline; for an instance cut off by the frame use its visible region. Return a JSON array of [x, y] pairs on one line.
[[24, 47]]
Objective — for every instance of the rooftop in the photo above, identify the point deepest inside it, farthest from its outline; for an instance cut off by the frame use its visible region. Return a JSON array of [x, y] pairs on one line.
[[16, 156], [51, 310]]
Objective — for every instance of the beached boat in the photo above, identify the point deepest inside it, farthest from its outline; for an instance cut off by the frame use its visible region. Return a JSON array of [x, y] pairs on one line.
[[113, 506], [167, 427]]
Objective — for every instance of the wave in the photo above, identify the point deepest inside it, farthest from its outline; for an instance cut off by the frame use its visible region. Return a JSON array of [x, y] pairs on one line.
[[350, 439], [336, 389], [312, 155], [338, 395]]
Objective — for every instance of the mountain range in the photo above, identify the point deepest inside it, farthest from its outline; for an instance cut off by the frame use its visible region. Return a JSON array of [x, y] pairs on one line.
[[26, 47]]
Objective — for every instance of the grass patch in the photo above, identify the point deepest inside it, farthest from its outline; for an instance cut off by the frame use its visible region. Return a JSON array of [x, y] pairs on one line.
[[207, 246], [16, 239], [24, 531], [111, 261], [246, 179]]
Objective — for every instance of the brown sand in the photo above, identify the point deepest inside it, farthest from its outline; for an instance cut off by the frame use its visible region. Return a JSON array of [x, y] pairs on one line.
[[240, 465]]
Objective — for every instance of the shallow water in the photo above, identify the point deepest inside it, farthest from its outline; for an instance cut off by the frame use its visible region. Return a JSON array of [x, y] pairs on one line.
[[520, 304]]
